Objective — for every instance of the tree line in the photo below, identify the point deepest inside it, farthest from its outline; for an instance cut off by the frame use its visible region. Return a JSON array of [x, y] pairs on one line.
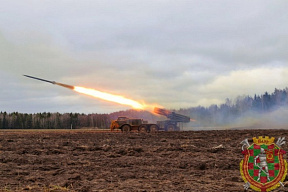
[[214, 115], [48, 120], [233, 110]]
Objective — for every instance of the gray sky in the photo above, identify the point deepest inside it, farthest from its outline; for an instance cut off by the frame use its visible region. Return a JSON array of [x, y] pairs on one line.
[[177, 54]]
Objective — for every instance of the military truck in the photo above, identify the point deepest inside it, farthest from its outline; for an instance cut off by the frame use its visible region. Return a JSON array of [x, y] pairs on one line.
[[126, 124], [173, 122]]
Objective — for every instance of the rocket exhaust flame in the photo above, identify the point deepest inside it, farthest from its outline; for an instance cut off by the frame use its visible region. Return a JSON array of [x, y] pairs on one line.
[[98, 94], [122, 100], [109, 97]]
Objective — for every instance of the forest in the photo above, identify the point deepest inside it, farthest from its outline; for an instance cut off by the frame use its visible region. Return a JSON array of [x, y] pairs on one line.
[[229, 113]]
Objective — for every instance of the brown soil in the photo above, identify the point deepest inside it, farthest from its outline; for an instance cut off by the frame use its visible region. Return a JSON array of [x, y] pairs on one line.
[[99, 161]]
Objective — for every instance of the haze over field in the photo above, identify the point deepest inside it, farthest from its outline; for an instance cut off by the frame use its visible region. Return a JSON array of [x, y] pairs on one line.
[[177, 54]]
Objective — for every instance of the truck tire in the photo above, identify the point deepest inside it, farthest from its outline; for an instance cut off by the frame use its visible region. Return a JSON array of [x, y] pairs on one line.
[[170, 127], [142, 129], [153, 128], [126, 128]]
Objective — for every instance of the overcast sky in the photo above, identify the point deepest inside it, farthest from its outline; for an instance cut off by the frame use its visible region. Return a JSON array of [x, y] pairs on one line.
[[177, 54]]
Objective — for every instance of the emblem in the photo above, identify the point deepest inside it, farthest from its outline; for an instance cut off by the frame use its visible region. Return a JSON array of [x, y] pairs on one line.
[[263, 167]]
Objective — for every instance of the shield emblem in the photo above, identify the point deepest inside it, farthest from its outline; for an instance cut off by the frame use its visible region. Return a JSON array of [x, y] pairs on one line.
[[263, 167]]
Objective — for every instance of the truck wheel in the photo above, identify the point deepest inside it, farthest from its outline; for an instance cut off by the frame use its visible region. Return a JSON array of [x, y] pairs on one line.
[[126, 128], [153, 128], [170, 128], [142, 129]]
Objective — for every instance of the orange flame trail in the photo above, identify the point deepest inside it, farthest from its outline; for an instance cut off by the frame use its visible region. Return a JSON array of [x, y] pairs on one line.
[[98, 94], [109, 97]]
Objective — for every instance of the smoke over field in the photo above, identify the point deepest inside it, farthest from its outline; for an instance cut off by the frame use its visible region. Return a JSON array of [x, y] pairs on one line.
[[273, 119]]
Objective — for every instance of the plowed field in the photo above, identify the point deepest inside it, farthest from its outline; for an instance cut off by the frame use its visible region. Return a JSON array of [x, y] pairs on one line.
[[104, 161]]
